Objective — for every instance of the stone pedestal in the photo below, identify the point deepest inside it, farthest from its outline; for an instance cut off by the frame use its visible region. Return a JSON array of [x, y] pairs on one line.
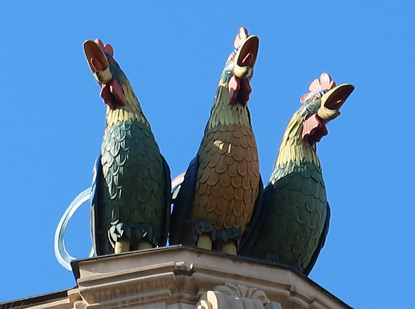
[[181, 277]]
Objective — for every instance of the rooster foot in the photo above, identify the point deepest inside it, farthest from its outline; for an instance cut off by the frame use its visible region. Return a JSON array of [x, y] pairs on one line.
[[144, 245], [204, 242], [228, 247], [123, 245]]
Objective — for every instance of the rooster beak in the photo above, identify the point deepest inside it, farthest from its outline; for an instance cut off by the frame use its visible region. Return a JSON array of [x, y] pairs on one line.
[[97, 61], [246, 57], [333, 100]]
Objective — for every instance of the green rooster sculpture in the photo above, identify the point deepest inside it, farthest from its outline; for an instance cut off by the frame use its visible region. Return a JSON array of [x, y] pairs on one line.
[[295, 213], [130, 204], [222, 183]]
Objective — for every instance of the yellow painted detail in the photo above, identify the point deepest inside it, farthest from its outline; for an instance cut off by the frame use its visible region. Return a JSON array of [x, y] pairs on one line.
[[327, 114], [131, 110], [204, 242], [224, 113], [294, 147], [123, 245], [103, 76]]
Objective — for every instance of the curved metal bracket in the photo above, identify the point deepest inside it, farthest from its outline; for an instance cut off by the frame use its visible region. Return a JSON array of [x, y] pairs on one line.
[[63, 257], [61, 254]]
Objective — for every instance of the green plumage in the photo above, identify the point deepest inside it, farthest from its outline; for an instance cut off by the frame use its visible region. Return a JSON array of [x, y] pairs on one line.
[[132, 185], [294, 214], [130, 203], [297, 213]]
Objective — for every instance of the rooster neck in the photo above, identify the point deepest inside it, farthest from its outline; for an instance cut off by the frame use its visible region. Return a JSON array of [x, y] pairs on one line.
[[303, 168], [130, 111], [293, 147], [224, 113]]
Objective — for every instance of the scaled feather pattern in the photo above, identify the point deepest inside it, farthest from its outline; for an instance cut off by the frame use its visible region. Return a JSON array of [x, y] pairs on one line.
[[222, 183], [295, 212], [131, 190]]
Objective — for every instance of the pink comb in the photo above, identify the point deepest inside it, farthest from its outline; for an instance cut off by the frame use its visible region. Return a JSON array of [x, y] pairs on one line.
[[325, 82]]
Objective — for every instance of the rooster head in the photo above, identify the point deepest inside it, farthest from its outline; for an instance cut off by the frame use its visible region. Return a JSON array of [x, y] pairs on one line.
[[324, 100], [106, 72], [239, 67]]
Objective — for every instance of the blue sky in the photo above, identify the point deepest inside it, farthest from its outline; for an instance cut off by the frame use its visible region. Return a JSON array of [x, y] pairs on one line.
[[173, 54]]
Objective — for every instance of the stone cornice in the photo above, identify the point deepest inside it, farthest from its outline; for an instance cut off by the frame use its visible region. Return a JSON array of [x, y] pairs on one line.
[[183, 277]]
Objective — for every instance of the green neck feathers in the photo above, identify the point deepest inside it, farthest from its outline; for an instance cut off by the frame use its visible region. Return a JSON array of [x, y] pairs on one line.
[[131, 110], [224, 113], [293, 147]]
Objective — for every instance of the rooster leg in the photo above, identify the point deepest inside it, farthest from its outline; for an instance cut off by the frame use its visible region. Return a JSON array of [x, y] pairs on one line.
[[228, 247], [123, 245], [144, 245], [204, 242]]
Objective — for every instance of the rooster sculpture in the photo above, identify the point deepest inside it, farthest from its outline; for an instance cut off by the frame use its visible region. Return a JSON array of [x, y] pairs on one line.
[[130, 204], [222, 183], [295, 213]]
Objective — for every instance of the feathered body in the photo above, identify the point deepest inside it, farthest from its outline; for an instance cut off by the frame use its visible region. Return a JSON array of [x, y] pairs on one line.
[[222, 183], [131, 200], [228, 175], [295, 209], [296, 199]]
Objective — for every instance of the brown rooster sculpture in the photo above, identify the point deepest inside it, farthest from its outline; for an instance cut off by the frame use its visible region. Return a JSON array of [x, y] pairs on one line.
[[222, 183]]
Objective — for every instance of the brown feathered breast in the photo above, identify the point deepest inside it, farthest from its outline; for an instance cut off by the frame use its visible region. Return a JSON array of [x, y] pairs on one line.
[[228, 177]]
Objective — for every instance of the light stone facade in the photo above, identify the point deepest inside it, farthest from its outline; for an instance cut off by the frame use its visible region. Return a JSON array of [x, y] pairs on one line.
[[180, 277]]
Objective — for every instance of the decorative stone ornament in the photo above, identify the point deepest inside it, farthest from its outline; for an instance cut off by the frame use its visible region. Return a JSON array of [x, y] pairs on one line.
[[229, 296]]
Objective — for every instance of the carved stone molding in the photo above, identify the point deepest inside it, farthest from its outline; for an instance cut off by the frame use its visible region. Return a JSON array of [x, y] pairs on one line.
[[183, 277], [230, 296], [179, 277]]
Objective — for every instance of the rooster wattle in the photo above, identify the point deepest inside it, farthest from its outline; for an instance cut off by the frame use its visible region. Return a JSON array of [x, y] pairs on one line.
[[130, 205], [295, 213], [222, 183]]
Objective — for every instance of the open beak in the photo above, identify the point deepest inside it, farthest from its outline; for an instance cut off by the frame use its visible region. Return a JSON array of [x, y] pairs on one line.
[[333, 100], [97, 61], [246, 57]]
